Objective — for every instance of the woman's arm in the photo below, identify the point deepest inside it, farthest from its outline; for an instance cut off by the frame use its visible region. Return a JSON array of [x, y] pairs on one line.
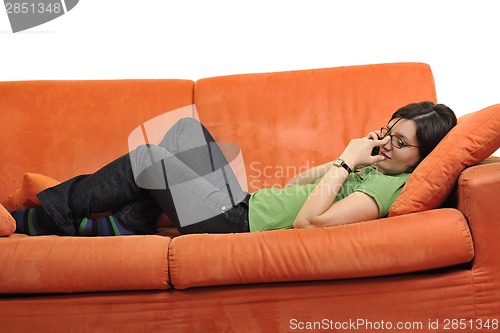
[[318, 210], [310, 175], [356, 207]]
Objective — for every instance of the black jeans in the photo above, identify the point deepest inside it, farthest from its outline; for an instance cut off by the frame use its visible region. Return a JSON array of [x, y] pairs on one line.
[[186, 176]]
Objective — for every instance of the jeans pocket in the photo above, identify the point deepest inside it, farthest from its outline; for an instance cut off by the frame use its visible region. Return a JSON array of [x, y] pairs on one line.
[[237, 217]]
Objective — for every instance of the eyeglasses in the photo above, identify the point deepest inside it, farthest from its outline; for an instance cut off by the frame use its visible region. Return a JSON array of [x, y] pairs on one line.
[[396, 141]]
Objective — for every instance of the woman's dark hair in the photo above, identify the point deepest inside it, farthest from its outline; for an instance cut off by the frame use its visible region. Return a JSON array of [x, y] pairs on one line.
[[433, 122]]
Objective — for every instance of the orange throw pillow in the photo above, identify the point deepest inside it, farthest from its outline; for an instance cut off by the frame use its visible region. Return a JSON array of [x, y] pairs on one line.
[[18, 200], [476, 136], [7, 222], [34, 183]]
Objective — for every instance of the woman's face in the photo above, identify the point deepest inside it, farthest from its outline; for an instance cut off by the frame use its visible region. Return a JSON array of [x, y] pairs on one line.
[[398, 160]]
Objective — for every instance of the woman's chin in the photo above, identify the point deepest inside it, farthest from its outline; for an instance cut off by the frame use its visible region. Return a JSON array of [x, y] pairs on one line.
[[386, 168], [380, 166]]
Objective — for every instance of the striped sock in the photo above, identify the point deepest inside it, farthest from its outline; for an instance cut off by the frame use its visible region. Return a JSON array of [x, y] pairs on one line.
[[33, 222], [103, 226]]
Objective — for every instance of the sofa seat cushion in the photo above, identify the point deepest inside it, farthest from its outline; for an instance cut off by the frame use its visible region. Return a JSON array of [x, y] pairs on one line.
[[415, 242], [53, 264]]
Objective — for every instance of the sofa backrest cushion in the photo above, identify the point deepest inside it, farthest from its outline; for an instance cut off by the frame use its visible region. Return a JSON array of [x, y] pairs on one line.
[[286, 122], [65, 128], [476, 136]]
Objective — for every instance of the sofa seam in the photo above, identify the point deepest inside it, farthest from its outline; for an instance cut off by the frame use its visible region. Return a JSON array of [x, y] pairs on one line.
[[472, 279], [171, 311], [169, 267], [167, 275], [474, 290], [466, 230]]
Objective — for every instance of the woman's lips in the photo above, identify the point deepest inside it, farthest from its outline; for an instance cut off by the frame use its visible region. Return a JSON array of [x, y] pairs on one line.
[[382, 153]]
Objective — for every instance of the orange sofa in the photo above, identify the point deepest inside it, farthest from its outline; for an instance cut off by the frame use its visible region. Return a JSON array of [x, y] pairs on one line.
[[431, 266]]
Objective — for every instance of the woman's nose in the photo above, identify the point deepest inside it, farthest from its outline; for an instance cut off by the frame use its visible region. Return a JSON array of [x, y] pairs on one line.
[[387, 145]]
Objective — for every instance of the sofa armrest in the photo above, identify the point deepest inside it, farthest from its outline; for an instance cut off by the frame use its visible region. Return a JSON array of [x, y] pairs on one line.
[[393, 245], [478, 196]]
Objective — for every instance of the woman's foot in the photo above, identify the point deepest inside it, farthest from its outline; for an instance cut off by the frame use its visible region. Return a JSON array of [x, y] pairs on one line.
[[7, 222]]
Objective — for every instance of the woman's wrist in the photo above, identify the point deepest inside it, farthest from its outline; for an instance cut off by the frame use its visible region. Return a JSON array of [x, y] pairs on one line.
[[349, 161], [341, 163]]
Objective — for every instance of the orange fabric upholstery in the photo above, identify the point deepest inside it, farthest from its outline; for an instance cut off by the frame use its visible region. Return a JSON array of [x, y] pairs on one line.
[[25, 196], [7, 222], [287, 122], [270, 307], [51, 264], [381, 247], [64, 128], [18, 200], [478, 198], [476, 136], [34, 183], [419, 267], [135, 312]]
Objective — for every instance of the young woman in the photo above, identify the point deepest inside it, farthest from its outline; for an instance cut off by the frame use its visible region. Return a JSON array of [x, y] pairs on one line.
[[187, 177]]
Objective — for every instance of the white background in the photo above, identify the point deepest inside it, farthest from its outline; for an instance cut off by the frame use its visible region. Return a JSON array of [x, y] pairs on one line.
[[192, 39]]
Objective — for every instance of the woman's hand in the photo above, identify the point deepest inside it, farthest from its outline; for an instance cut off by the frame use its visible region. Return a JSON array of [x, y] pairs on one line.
[[319, 210], [359, 151], [375, 135]]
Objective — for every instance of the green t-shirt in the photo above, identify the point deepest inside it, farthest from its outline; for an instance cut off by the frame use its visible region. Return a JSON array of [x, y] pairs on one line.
[[277, 208]]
